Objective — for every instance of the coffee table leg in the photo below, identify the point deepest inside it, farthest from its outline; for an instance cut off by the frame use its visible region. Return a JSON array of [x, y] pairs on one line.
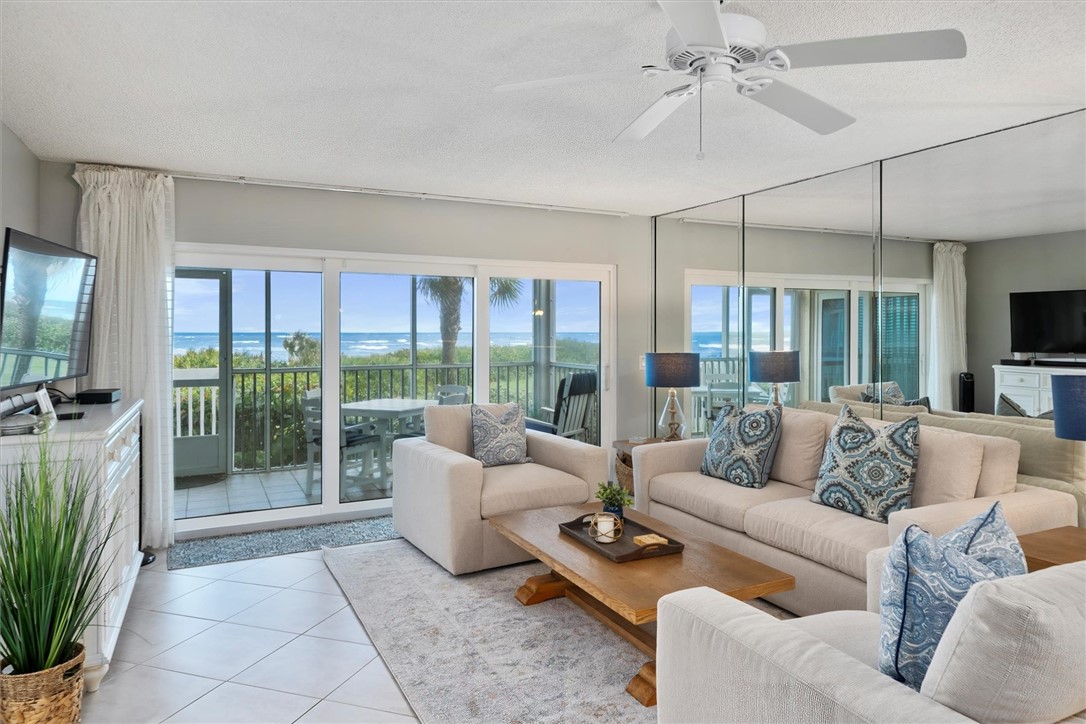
[[643, 686], [542, 588]]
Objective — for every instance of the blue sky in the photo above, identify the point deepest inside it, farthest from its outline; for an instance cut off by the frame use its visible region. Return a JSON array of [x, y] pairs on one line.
[[370, 303]]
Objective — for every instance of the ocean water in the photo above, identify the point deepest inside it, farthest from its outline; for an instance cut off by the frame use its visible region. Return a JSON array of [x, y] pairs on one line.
[[358, 344]]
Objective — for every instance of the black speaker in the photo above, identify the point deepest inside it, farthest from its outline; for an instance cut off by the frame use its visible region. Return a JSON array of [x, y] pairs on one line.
[[965, 392]]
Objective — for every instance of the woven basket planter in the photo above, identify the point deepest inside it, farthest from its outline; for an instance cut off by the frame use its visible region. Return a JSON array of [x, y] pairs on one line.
[[53, 695], [624, 473]]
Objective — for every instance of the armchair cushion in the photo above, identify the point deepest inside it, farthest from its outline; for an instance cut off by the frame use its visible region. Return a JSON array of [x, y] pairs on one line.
[[507, 488], [499, 439], [450, 425], [854, 632], [925, 578], [1015, 649]]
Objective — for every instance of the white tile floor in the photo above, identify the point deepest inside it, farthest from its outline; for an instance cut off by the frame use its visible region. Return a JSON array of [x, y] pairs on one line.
[[269, 640], [242, 492]]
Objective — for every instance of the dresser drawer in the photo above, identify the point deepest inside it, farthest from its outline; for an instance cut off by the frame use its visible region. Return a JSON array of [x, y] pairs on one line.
[[122, 447], [1009, 378]]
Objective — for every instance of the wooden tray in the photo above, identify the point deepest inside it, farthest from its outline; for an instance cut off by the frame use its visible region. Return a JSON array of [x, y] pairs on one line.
[[624, 549]]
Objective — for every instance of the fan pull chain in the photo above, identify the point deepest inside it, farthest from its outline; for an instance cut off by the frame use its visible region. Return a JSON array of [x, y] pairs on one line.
[[701, 112]]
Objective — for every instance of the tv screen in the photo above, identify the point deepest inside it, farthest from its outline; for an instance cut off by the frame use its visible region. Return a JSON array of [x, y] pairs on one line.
[[1048, 322], [46, 294]]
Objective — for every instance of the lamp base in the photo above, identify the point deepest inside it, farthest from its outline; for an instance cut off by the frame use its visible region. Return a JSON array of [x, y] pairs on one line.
[[672, 424]]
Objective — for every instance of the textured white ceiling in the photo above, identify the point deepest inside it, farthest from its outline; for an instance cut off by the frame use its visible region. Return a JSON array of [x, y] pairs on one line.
[[396, 95], [1025, 181]]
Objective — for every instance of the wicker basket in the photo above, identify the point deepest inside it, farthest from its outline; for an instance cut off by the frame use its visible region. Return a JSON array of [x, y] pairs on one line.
[[624, 473], [53, 695]]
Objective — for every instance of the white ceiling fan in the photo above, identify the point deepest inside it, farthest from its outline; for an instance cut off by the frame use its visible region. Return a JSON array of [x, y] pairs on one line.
[[711, 48]]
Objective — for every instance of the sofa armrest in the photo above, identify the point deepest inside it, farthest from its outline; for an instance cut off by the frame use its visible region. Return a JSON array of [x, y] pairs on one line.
[[720, 660], [438, 502], [663, 457], [1027, 510], [1077, 489], [579, 459]]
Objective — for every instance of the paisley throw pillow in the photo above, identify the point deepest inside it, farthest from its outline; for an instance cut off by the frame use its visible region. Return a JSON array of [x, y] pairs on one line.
[[924, 401], [925, 578], [499, 440], [891, 393], [742, 446], [868, 472]]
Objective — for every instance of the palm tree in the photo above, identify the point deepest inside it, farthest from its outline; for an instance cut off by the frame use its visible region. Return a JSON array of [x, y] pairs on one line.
[[446, 293]]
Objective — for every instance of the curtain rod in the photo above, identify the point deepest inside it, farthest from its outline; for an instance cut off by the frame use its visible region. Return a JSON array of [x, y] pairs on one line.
[[384, 192], [811, 229]]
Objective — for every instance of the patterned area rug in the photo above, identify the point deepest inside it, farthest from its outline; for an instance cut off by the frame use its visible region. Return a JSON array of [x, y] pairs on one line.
[[264, 543], [463, 649]]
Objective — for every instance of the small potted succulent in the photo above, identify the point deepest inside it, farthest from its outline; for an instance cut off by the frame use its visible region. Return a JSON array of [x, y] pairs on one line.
[[614, 498]]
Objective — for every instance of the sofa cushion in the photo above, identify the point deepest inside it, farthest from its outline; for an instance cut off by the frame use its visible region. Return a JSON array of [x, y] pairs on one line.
[[1014, 651], [507, 488], [450, 425], [868, 471], [799, 452], [743, 445], [822, 534], [949, 466], [499, 439], [925, 577], [716, 501], [856, 633]]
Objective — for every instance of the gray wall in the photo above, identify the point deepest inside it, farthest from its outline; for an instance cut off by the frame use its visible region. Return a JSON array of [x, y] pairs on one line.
[[994, 269], [18, 185], [212, 212]]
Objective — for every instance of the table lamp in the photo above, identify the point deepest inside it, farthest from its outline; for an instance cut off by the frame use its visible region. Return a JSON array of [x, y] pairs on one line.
[[1069, 406], [671, 370], [775, 367]]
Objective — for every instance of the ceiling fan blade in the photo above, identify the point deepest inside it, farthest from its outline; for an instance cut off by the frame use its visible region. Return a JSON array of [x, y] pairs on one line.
[[924, 45], [804, 109], [696, 21], [657, 113], [647, 71]]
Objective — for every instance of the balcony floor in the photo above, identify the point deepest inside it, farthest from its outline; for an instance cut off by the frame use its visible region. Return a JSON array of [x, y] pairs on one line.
[[244, 492]]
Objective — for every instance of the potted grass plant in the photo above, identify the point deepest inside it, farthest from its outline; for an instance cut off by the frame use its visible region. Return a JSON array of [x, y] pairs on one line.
[[53, 562]]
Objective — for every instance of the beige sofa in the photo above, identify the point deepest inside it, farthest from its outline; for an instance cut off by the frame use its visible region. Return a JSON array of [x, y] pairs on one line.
[[721, 660], [959, 475], [444, 496], [1046, 461]]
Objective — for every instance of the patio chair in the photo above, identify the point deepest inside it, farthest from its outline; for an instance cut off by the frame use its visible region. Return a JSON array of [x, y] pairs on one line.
[[574, 402], [451, 394], [356, 442]]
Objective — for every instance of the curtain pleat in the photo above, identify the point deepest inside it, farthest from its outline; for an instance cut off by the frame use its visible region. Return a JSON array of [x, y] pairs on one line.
[[947, 347], [126, 219]]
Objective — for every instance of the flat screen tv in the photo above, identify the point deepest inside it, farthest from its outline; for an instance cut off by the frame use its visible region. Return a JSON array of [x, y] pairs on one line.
[[46, 296], [1049, 322]]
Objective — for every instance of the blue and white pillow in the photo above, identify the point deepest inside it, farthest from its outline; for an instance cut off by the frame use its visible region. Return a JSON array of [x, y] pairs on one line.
[[925, 578], [924, 401], [743, 445], [866, 471], [890, 394], [499, 440]]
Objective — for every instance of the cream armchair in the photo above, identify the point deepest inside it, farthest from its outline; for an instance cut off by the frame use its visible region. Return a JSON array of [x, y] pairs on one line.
[[444, 497]]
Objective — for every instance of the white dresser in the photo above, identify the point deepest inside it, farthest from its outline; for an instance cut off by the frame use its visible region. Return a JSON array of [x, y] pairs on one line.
[[109, 434], [1030, 387]]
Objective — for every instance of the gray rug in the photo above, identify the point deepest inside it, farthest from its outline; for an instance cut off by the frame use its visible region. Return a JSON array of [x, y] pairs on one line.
[[264, 543], [463, 649]]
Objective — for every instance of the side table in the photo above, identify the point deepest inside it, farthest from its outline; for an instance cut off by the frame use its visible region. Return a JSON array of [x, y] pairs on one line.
[[1053, 547], [624, 459]]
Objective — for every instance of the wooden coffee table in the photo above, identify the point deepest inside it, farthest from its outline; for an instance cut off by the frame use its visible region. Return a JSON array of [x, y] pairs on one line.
[[624, 595], [1053, 547]]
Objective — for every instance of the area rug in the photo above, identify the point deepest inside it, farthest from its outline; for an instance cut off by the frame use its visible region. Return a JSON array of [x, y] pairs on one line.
[[264, 543]]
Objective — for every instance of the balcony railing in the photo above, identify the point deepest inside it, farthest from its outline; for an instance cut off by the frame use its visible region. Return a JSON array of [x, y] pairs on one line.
[[267, 431]]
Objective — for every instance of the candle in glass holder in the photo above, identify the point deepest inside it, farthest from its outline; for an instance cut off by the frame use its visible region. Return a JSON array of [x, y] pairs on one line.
[[605, 526]]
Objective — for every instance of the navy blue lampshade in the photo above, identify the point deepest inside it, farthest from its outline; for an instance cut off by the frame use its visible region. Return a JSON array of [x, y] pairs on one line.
[[1069, 406], [774, 366], [672, 369]]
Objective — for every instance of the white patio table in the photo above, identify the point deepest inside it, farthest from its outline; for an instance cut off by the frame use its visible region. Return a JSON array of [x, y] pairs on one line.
[[383, 411]]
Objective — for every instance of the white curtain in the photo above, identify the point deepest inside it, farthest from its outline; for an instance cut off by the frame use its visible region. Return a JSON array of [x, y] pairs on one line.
[[126, 219], [947, 347]]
